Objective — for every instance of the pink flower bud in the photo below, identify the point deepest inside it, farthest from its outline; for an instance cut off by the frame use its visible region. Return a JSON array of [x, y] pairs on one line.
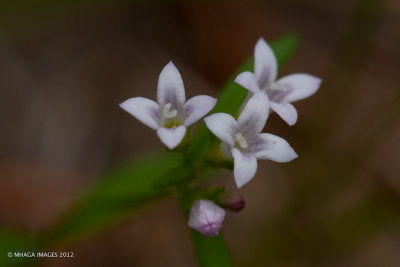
[[234, 203], [206, 217]]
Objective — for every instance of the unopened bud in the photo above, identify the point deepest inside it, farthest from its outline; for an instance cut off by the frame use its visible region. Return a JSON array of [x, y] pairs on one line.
[[234, 203], [206, 217]]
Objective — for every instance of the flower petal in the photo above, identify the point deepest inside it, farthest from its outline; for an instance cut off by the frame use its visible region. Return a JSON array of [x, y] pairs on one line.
[[265, 64], [272, 147], [171, 137], [143, 109], [223, 126], [248, 81], [286, 111], [254, 115], [197, 107], [300, 86], [245, 167], [170, 87]]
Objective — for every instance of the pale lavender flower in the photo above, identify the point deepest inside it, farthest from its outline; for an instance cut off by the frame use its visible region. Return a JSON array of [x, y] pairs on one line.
[[206, 217], [243, 141], [172, 114], [281, 92]]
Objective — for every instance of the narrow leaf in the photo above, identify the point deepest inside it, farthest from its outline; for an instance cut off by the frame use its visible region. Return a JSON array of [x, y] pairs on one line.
[[117, 195]]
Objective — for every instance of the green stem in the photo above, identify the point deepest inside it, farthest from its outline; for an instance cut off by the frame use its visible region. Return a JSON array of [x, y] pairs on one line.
[[210, 251]]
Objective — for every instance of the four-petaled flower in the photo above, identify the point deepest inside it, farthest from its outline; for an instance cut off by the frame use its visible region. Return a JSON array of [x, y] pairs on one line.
[[244, 142], [281, 92], [171, 115], [206, 217]]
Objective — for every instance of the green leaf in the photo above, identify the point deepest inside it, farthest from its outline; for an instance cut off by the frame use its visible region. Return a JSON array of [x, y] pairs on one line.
[[13, 242], [175, 177], [119, 193]]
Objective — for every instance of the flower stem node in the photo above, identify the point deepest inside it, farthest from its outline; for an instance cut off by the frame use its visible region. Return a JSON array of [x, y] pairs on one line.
[[206, 217]]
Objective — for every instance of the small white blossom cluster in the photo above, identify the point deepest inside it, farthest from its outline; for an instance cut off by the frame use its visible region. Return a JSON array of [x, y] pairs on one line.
[[241, 139]]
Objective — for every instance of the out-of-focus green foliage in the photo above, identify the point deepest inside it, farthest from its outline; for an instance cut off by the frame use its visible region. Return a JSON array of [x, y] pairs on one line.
[[24, 12], [118, 193], [14, 242]]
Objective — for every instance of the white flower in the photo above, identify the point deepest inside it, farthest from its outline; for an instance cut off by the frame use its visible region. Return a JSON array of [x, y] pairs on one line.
[[244, 142], [171, 115], [281, 92], [206, 217]]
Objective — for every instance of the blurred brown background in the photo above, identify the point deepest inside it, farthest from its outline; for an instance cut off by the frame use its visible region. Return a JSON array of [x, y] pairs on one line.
[[65, 66]]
